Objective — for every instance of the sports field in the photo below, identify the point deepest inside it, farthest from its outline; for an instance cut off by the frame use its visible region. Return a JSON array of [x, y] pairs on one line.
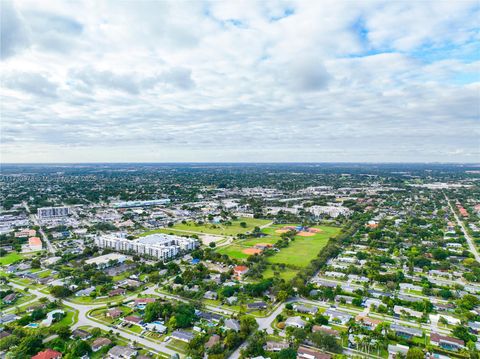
[[10, 258], [302, 250], [298, 254]]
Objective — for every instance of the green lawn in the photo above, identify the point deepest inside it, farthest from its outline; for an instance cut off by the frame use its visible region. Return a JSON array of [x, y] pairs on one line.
[[10, 258], [218, 229], [233, 251], [286, 274], [177, 345], [298, 254], [303, 249]]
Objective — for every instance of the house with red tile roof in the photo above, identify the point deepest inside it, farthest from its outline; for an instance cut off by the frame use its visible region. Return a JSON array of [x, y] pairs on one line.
[[240, 271], [48, 354]]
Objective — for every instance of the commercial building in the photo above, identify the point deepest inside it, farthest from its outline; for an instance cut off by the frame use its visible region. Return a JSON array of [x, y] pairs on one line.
[[160, 246], [35, 244], [52, 212], [107, 260], [131, 204]]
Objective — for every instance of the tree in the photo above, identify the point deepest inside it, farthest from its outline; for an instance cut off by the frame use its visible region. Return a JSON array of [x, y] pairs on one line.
[[463, 333], [243, 224], [287, 353], [282, 296], [415, 353], [326, 342], [212, 245], [60, 291], [80, 348]]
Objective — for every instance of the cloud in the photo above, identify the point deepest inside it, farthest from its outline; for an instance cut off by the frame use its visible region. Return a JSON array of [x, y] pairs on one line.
[[32, 83], [13, 33], [249, 80], [87, 79]]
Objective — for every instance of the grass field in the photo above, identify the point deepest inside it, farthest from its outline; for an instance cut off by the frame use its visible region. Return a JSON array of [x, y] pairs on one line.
[[10, 258], [218, 229], [286, 274], [303, 249], [298, 254]]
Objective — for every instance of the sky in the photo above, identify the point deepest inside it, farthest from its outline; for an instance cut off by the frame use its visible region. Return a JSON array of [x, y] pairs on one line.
[[240, 81]]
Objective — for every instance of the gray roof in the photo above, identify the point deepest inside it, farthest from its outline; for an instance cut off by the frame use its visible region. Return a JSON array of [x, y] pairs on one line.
[[180, 334], [232, 324]]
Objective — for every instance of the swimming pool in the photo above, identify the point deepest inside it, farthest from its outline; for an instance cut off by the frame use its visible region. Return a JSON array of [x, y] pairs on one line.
[[32, 325]]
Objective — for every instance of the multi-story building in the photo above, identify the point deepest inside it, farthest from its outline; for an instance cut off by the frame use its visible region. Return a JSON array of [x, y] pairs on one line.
[[52, 212], [161, 246]]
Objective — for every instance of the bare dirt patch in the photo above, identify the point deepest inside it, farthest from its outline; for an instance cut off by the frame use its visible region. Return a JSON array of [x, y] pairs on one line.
[[250, 251]]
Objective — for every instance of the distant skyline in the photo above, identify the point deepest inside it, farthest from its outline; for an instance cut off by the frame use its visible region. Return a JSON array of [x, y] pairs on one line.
[[240, 81]]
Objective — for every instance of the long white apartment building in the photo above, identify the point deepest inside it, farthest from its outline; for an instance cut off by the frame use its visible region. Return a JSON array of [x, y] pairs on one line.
[[160, 246], [52, 212]]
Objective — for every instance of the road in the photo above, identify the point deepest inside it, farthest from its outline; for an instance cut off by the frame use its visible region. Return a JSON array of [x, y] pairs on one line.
[[471, 243], [45, 239], [85, 320]]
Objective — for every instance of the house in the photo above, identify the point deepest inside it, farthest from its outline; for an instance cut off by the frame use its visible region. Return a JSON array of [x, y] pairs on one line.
[[344, 299], [272, 346], [141, 303], [99, 343], [115, 292], [121, 352], [133, 319], [473, 326], [48, 354], [156, 327], [307, 310], [367, 322], [214, 339], [257, 306], [183, 336], [210, 295], [240, 271], [85, 292], [406, 332], [80, 334], [397, 351], [210, 317], [232, 324], [10, 298], [114, 313], [4, 333], [304, 352], [372, 302], [325, 330], [446, 342], [296, 322], [335, 315], [400, 311], [231, 300], [8, 318]]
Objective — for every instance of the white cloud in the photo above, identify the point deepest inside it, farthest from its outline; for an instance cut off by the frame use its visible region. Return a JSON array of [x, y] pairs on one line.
[[239, 80]]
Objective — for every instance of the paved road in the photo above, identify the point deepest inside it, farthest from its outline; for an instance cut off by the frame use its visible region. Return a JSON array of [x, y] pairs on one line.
[[45, 239], [471, 243], [85, 320]]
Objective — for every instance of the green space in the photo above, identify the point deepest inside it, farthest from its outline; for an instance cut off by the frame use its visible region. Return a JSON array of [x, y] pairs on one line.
[[286, 274], [177, 345], [302, 250], [298, 254], [217, 229], [10, 258], [233, 251]]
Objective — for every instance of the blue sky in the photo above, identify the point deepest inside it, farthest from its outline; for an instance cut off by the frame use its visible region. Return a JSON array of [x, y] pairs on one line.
[[240, 81]]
